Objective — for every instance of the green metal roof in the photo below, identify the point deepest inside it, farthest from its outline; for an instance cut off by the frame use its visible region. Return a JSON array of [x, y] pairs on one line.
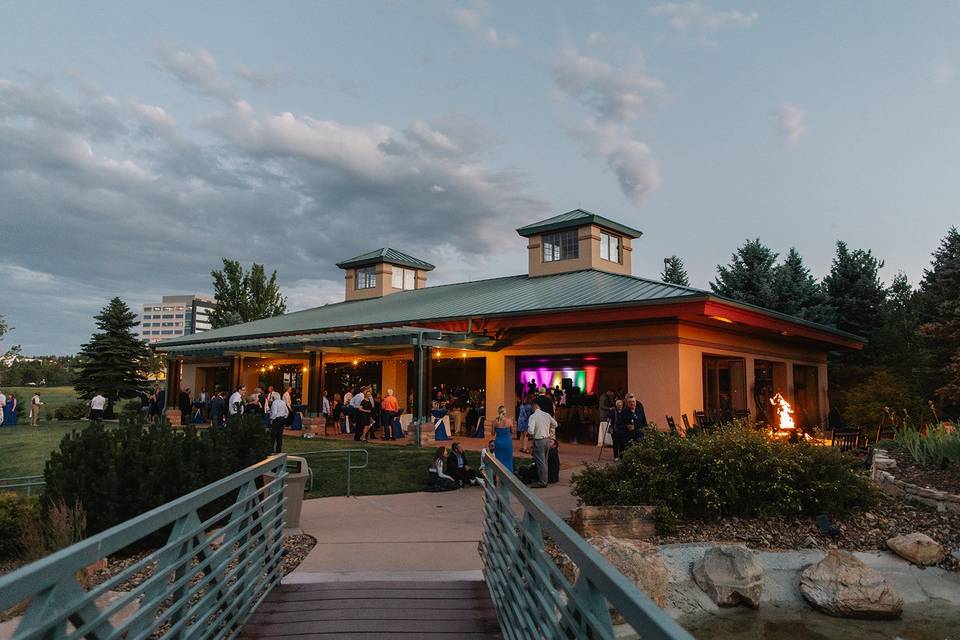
[[512, 295], [386, 254], [576, 218]]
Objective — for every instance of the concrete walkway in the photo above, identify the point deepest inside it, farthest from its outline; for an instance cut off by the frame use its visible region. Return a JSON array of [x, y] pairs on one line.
[[411, 532]]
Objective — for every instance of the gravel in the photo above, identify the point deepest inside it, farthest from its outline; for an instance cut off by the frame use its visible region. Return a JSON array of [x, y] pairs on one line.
[[909, 471], [867, 531]]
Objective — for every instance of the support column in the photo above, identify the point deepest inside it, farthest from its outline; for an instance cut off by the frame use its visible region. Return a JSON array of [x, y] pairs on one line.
[[173, 382], [236, 369], [315, 383], [501, 386], [423, 371]]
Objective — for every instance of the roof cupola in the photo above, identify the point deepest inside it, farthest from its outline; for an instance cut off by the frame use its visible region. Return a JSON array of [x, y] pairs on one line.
[[382, 272]]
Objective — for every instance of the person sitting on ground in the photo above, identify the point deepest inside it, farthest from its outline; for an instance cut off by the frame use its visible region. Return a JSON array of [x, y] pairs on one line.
[[487, 452], [458, 468], [440, 481]]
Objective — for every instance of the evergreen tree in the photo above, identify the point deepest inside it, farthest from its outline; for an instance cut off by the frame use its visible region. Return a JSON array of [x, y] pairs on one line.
[[939, 312], [242, 297], [674, 272], [854, 291], [750, 275], [114, 359], [796, 292]]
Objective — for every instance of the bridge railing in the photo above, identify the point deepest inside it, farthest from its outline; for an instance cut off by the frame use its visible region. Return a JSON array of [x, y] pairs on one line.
[[221, 557], [532, 596], [363, 454]]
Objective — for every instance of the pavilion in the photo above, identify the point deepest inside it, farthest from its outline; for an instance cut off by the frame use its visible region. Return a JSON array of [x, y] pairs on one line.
[[578, 319]]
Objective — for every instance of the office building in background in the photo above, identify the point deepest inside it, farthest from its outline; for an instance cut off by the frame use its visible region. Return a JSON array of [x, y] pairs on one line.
[[175, 316]]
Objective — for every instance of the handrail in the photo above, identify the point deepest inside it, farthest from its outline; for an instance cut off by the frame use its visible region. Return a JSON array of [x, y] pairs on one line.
[[532, 596], [21, 482], [222, 556], [350, 466]]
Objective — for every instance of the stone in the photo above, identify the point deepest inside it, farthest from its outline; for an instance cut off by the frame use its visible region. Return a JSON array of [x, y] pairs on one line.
[[918, 548], [843, 586], [640, 562], [809, 543], [730, 575], [632, 523]]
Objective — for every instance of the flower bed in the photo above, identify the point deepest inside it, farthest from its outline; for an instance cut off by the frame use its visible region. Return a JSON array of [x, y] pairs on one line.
[[883, 471]]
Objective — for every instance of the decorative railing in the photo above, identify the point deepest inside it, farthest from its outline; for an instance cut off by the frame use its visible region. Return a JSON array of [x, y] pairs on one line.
[[532, 596], [332, 452], [27, 484], [221, 557]]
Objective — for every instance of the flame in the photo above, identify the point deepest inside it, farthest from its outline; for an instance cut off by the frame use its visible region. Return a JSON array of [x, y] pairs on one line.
[[784, 413]]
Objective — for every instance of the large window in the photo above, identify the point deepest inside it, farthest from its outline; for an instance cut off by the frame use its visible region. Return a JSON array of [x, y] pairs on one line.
[[724, 385], [609, 247], [366, 278], [405, 279], [562, 245]]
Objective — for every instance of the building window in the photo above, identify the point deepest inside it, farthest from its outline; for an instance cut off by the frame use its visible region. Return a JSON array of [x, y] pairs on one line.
[[562, 245], [609, 247], [405, 279], [724, 386], [366, 278], [179, 315]]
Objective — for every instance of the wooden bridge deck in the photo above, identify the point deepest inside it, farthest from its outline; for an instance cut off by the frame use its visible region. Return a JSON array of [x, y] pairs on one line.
[[370, 610]]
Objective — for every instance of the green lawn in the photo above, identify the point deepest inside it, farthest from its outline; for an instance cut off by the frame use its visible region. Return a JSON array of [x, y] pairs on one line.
[[52, 398], [26, 449]]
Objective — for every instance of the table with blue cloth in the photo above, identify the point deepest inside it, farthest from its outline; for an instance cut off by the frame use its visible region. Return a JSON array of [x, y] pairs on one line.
[[296, 419], [439, 429]]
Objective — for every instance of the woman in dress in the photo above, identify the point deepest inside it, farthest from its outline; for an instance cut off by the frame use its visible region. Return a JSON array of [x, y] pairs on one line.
[[364, 413], [10, 412], [522, 420], [503, 442]]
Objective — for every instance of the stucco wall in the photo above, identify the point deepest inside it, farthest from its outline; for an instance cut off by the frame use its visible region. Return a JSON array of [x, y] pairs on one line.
[[384, 283], [588, 254]]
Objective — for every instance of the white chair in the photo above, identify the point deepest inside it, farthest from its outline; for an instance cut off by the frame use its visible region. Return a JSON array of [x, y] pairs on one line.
[[405, 421]]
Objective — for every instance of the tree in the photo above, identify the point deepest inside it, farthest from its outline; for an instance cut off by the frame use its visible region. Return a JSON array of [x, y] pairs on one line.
[[854, 291], [674, 272], [10, 356], [939, 315], [242, 297], [749, 276], [796, 292], [114, 359]]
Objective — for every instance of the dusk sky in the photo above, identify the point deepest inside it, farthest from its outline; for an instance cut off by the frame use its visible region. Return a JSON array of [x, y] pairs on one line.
[[140, 142]]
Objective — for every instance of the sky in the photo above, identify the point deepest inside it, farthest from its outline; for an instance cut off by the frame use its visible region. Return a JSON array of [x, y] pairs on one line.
[[141, 142]]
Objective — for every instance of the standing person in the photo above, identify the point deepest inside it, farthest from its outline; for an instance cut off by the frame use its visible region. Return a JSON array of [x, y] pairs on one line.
[[97, 404], [218, 406], [279, 415], [503, 438], [3, 405], [288, 398], [204, 400], [336, 410], [390, 409], [543, 428], [235, 404], [364, 415], [618, 432], [35, 403], [268, 398], [634, 419], [186, 406], [544, 401], [161, 402], [325, 409], [10, 411], [523, 419]]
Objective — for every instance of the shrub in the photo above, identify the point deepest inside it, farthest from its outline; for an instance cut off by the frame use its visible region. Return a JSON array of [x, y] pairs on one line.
[[76, 410], [665, 520], [16, 513], [735, 471], [61, 526], [116, 474], [939, 447], [131, 407]]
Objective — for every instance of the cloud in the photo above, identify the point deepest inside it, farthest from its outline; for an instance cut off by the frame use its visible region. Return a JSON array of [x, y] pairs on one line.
[[129, 184], [471, 20], [615, 97], [943, 73], [197, 70], [696, 16], [261, 80], [792, 123]]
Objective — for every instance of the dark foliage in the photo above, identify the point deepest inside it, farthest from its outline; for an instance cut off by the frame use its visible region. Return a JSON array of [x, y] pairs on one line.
[[16, 513], [734, 472], [674, 272], [244, 296], [939, 311], [120, 473]]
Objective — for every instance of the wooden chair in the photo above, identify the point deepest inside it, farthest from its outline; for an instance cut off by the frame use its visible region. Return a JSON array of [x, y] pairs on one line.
[[742, 415], [700, 418], [686, 422], [846, 440], [885, 432], [672, 425]]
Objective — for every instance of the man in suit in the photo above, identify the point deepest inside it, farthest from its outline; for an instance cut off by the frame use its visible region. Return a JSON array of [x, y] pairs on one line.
[[632, 419]]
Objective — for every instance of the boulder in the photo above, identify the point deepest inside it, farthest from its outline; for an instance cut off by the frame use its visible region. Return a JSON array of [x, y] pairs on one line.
[[841, 585], [918, 548], [730, 575], [640, 562], [634, 523]]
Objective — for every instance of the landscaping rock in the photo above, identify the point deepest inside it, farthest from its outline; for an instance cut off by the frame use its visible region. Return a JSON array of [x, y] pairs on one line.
[[730, 575], [918, 548], [841, 585], [632, 523], [640, 562]]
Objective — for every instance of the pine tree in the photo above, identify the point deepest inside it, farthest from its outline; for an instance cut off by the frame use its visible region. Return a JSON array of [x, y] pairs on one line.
[[854, 291], [796, 292], [242, 297], [749, 276], [113, 361], [940, 321], [674, 272]]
